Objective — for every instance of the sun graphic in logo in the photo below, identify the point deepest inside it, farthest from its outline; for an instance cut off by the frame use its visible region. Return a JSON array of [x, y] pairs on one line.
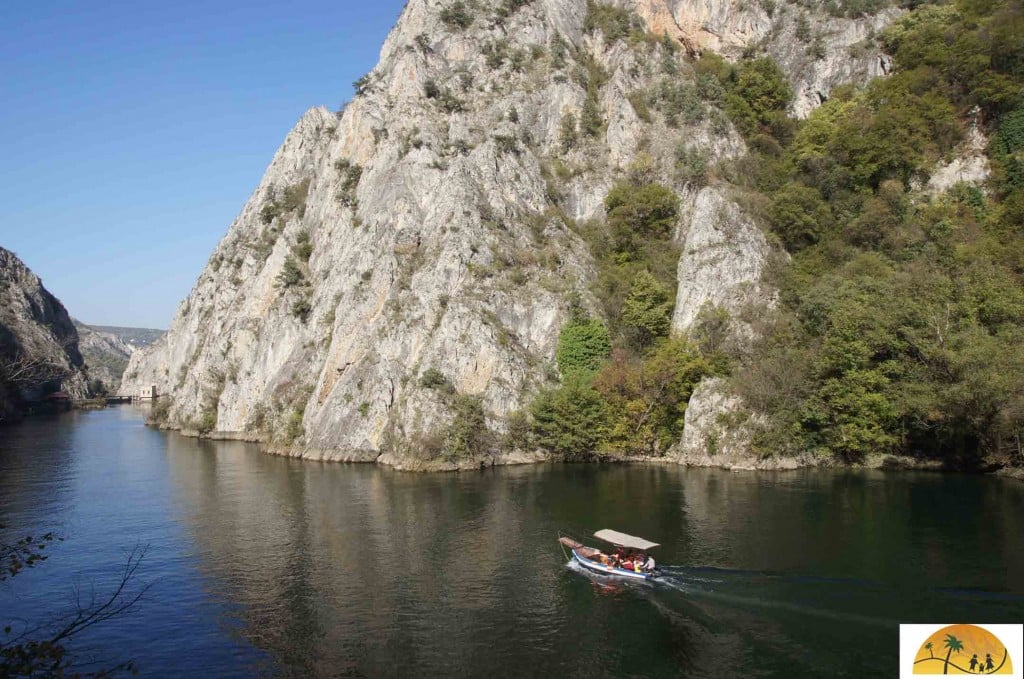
[[963, 649]]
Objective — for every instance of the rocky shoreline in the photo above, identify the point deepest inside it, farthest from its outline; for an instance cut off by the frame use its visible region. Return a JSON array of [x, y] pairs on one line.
[[1012, 473], [733, 462]]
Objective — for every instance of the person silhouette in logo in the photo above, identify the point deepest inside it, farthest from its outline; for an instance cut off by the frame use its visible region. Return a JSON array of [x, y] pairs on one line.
[[988, 662], [974, 661]]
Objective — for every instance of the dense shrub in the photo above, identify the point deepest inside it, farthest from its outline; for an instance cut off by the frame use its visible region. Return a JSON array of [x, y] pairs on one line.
[[432, 378], [568, 133], [901, 316], [303, 248], [468, 434], [291, 201], [647, 311], [634, 405], [509, 7], [291, 274], [799, 215], [302, 308], [569, 421], [457, 15], [583, 344], [351, 174], [1009, 148], [647, 397], [613, 22], [758, 95], [636, 213], [591, 122], [691, 165]]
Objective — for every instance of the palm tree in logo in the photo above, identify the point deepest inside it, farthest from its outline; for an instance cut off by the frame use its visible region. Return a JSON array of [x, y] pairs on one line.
[[953, 644], [929, 646]]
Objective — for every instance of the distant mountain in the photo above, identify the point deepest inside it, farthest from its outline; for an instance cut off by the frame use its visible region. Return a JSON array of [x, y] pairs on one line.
[[105, 353], [135, 337], [106, 350]]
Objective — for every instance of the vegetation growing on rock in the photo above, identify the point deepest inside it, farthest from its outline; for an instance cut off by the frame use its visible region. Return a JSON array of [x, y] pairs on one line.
[[903, 314]]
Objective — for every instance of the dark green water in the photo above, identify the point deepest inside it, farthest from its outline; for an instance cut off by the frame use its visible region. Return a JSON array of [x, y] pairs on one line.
[[276, 567]]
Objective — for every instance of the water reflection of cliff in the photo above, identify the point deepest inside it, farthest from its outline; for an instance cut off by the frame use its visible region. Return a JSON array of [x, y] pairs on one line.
[[346, 569], [358, 570]]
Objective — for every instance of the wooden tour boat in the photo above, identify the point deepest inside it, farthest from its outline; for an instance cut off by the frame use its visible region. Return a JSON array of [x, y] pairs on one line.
[[630, 559]]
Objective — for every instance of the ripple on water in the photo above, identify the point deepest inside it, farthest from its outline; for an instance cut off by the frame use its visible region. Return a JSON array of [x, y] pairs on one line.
[[266, 565]]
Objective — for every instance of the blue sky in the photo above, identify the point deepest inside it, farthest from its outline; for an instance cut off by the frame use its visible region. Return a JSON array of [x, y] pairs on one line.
[[133, 132]]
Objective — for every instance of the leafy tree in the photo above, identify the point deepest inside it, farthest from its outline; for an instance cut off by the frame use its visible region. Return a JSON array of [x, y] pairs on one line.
[[640, 212], [583, 344], [351, 173], [302, 308], [799, 215], [509, 7], [291, 273], [303, 248], [432, 378], [569, 135], [647, 397], [853, 415], [468, 434], [570, 421], [591, 122], [647, 312], [1009, 148], [362, 85], [758, 94]]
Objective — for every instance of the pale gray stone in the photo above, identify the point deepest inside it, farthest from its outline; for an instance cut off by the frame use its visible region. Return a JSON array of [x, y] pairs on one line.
[[448, 255]]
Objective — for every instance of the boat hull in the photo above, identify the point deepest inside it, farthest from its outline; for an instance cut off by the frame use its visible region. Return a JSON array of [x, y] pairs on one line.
[[601, 569]]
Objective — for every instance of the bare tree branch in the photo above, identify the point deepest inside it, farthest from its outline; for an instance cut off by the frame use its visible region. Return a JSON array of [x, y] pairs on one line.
[[27, 655], [25, 370]]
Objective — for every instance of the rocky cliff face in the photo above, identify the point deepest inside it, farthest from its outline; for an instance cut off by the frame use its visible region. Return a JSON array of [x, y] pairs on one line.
[[818, 50], [724, 256], [433, 225], [105, 353], [38, 343]]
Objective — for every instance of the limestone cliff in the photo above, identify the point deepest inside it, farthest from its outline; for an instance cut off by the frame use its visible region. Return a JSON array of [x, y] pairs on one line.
[[817, 48], [432, 225], [38, 343], [105, 353]]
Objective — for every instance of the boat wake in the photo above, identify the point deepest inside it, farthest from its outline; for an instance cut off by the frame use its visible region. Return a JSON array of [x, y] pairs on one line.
[[709, 593], [808, 596]]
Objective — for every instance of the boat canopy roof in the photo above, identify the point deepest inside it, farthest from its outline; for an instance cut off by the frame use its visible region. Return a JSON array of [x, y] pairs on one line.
[[623, 540]]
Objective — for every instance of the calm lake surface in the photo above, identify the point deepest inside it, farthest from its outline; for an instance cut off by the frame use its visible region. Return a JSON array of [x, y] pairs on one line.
[[268, 566]]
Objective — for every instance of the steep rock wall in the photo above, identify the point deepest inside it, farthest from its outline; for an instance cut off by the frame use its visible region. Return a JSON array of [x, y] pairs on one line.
[[38, 342], [431, 225], [724, 257], [817, 50]]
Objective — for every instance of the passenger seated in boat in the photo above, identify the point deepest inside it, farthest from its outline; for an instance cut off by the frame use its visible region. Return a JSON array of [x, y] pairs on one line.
[[649, 564]]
